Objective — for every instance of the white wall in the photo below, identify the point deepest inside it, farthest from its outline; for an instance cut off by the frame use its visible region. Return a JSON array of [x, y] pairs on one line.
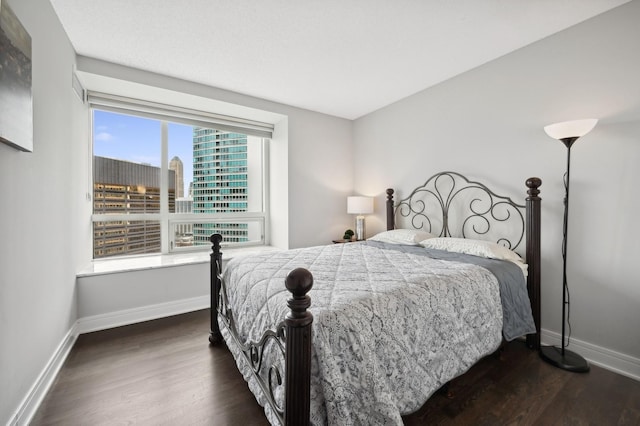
[[40, 193], [488, 124], [105, 298]]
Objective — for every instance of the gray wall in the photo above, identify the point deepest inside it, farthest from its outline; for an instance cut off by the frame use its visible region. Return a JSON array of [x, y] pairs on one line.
[[41, 193], [488, 123]]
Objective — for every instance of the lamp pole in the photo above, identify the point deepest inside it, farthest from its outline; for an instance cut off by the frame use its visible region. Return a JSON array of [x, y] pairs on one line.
[[566, 132], [565, 232]]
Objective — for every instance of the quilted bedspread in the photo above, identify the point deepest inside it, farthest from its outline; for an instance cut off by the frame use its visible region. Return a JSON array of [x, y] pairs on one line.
[[391, 325]]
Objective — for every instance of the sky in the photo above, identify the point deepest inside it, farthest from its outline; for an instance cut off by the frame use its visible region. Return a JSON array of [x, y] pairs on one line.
[[137, 139]]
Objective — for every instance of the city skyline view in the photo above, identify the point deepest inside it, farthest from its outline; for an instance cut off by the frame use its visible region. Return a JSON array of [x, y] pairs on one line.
[[208, 171], [137, 139]]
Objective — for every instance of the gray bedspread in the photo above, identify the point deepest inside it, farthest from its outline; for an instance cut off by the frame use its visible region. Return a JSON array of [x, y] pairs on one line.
[[391, 323]]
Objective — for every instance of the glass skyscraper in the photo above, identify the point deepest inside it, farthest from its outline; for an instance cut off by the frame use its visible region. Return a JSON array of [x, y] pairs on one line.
[[220, 182]]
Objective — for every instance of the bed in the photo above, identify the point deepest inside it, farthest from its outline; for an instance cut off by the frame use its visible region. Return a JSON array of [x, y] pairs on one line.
[[393, 318]]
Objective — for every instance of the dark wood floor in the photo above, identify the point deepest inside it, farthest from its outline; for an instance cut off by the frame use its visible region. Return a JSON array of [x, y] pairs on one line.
[[164, 372]]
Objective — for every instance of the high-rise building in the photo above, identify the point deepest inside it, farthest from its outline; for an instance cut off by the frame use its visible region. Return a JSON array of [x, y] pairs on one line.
[[222, 164], [176, 165], [184, 231], [220, 177], [126, 187]]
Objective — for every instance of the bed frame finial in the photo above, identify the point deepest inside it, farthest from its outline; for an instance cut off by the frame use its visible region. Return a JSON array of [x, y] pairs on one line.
[[390, 218], [533, 183], [297, 406]]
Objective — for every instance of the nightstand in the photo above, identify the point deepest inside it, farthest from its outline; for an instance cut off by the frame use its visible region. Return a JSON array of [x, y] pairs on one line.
[[342, 241]]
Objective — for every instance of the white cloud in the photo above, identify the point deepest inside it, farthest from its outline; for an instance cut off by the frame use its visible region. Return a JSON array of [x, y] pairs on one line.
[[103, 136]]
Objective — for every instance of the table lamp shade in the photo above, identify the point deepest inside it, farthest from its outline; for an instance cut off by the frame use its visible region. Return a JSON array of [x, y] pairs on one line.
[[359, 205]]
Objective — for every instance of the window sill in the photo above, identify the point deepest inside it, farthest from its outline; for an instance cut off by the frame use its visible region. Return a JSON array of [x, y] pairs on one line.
[[139, 263]]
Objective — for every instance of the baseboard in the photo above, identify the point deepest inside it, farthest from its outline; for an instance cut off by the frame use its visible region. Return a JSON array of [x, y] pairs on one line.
[[29, 405], [144, 313], [602, 357]]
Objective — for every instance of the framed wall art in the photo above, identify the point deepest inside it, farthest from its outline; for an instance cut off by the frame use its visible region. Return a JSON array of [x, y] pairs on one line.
[[16, 108]]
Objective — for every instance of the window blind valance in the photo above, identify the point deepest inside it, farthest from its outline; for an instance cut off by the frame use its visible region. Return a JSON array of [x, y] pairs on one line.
[[159, 111]]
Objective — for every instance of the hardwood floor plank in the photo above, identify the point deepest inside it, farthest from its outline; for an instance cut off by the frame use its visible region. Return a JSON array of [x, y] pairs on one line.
[[163, 372]]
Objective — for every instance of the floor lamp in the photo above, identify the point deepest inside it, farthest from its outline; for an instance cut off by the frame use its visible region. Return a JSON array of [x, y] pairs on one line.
[[566, 132]]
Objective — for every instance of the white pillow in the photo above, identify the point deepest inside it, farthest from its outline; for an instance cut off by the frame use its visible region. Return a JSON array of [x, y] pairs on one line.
[[402, 236], [474, 247]]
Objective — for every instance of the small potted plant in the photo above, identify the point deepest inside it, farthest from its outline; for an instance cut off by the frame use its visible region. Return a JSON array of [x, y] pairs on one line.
[[348, 235]]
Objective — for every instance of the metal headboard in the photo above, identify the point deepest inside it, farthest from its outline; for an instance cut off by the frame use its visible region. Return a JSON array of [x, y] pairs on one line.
[[450, 205]]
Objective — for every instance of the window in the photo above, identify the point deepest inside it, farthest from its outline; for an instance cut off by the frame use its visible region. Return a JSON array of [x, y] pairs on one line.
[[164, 180]]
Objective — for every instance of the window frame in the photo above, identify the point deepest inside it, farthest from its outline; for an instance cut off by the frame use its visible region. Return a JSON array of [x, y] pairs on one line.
[[166, 219]]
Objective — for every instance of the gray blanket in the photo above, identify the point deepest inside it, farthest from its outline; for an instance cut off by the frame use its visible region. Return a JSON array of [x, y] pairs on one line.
[[391, 323]]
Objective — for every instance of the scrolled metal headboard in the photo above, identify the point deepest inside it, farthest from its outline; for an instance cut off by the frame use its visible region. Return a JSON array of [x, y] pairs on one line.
[[450, 205]]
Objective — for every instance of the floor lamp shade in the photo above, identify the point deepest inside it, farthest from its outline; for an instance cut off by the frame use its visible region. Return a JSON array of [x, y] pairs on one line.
[[567, 132], [570, 129], [360, 206]]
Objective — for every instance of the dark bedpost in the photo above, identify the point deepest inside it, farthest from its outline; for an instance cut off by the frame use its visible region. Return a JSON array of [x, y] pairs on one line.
[[391, 223], [533, 256], [216, 267], [298, 349]]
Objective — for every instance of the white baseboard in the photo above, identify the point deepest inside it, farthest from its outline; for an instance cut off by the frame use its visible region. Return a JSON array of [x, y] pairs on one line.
[[29, 405], [602, 357], [144, 313]]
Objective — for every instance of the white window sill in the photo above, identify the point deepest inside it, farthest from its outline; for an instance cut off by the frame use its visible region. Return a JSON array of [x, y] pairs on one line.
[[138, 263]]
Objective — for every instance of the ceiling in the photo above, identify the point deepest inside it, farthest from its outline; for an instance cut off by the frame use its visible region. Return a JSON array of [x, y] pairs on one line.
[[345, 58]]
